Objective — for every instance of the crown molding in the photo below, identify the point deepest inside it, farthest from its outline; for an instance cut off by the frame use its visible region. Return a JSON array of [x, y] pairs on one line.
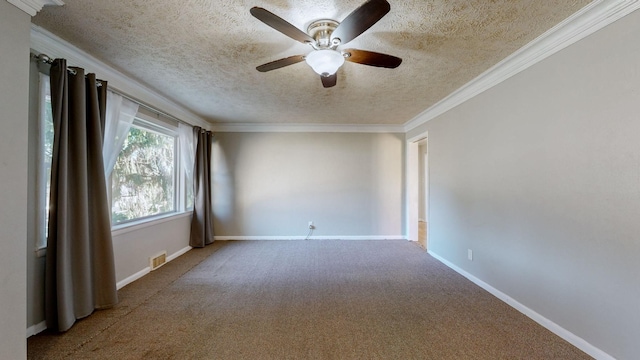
[[583, 23], [590, 19], [32, 7], [42, 41], [317, 128]]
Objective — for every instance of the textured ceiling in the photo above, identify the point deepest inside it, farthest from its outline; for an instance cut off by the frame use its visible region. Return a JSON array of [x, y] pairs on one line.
[[203, 53]]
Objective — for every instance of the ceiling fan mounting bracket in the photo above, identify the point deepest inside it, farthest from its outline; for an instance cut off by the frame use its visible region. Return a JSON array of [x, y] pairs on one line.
[[321, 31]]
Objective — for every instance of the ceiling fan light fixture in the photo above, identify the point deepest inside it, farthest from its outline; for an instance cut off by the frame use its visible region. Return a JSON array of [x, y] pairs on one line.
[[325, 62]]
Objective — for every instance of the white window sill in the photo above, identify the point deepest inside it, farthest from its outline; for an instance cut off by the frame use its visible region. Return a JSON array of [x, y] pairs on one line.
[[133, 226], [143, 223]]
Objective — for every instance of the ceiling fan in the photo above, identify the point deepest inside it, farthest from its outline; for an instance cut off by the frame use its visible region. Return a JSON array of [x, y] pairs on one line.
[[325, 36]]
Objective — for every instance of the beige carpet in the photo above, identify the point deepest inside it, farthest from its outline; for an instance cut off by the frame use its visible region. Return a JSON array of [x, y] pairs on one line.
[[305, 300]]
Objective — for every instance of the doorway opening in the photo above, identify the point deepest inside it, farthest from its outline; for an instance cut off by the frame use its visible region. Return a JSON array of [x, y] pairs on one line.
[[423, 193], [418, 190]]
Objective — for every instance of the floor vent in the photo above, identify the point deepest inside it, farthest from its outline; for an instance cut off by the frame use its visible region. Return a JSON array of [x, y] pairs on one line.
[[158, 260]]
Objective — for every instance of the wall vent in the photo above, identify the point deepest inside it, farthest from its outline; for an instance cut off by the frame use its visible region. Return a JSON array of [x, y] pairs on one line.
[[158, 260]]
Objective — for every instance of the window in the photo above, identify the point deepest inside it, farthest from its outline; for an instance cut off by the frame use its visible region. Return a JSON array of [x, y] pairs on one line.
[[147, 181], [45, 151], [143, 181]]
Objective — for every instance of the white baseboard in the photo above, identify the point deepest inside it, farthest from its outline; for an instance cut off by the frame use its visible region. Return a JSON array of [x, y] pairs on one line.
[[124, 282], [36, 329], [570, 337], [178, 253], [372, 237]]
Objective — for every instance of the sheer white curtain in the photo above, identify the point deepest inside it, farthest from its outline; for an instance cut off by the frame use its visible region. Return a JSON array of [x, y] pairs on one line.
[[187, 153], [120, 115]]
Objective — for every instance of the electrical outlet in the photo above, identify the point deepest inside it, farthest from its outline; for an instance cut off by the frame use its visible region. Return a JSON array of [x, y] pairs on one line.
[[311, 225], [470, 254]]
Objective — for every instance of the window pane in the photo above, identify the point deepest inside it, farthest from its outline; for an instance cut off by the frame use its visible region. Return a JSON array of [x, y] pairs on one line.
[[143, 178], [46, 151], [47, 127]]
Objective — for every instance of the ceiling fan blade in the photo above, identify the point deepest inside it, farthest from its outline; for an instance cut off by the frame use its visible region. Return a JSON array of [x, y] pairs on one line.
[[360, 20], [281, 25], [329, 81], [280, 63], [372, 58]]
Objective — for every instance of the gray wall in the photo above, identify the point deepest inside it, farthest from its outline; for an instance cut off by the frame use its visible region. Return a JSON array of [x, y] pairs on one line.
[[133, 246], [273, 184], [540, 176], [14, 82]]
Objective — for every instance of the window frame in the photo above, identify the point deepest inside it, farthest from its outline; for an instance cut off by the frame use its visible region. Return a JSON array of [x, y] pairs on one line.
[[148, 123]]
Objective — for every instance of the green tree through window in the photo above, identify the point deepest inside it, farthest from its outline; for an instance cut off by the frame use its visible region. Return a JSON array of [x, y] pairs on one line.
[[44, 161], [143, 178]]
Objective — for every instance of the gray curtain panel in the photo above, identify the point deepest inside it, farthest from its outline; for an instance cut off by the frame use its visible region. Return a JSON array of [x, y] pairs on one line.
[[80, 273], [202, 219]]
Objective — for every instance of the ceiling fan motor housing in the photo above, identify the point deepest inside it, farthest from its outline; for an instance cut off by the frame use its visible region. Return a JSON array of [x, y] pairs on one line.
[[321, 31]]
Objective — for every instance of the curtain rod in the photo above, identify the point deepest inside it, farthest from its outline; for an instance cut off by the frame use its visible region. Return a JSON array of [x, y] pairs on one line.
[[48, 60]]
